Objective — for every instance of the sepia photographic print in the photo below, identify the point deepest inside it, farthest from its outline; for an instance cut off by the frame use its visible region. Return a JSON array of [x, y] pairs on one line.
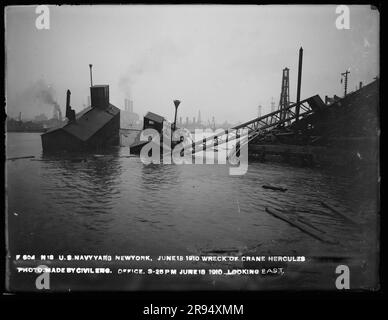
[[192, 148]]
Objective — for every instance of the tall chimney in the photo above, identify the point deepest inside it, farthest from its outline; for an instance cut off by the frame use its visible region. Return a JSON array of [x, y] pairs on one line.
[[70, 114], [59, 114], [91, 77], [299, 82], [68, 108]]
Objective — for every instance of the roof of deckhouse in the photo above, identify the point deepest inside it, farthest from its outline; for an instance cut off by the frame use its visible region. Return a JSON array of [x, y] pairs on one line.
[[154, 117], [88, 122]]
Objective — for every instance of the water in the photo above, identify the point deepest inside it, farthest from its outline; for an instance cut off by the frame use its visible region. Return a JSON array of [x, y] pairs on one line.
[[113, 204]]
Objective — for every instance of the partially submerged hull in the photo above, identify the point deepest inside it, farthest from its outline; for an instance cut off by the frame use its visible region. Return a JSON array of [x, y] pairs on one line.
[[136, 147], [94, 128]]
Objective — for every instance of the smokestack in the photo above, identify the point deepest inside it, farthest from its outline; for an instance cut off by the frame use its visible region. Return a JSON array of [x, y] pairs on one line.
[[360, 84], [68, 108], [91, 77], [70, 114], [55, 112], [299, 82], [59, 114]]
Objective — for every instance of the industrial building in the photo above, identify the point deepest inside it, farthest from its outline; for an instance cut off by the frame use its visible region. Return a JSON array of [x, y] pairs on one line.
[[95, 127]]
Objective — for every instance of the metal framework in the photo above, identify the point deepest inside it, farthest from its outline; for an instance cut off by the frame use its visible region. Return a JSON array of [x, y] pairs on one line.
[[261, 124], [344, 77], [284, 101]]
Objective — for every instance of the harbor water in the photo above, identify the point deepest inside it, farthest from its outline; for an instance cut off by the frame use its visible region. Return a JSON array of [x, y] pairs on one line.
[[110, 203]]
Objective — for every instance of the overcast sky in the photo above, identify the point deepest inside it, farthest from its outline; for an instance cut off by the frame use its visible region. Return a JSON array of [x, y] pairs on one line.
[[223, 60]]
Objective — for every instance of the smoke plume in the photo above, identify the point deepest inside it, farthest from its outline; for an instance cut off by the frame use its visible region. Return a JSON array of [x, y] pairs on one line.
[[36, 99], [42, 92], [152, 60]]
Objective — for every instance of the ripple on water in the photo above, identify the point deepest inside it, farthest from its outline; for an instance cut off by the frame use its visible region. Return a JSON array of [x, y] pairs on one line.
[[108, 202]]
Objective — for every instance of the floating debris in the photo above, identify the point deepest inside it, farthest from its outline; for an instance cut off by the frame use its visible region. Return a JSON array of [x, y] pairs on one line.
[[274, 188], [339, 213], [17, 158], [304, 220], [302, 226], [77, 160]]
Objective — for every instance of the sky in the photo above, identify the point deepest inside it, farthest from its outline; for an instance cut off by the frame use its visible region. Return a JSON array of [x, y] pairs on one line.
[[223, 60]]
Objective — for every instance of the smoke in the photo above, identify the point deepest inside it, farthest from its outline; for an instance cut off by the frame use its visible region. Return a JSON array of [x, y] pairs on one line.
[[56, 107], [125, 84], [152, 60], [57, 112], [134, 72], [36, 99], [42, 92]]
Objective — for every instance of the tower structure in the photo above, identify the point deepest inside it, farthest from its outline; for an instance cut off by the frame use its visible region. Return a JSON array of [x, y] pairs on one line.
[[273, 109], [259, 110], [344, 78], [273, 105], [284, 101]]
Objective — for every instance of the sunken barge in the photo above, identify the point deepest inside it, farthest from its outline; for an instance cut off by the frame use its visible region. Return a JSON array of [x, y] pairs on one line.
[[94, 128], [162, 127]]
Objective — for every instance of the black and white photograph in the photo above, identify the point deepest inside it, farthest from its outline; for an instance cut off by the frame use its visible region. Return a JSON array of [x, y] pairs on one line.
[[192, 148]]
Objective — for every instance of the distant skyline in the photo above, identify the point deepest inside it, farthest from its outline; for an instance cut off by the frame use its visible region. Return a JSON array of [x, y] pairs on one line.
[[222, 60]]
